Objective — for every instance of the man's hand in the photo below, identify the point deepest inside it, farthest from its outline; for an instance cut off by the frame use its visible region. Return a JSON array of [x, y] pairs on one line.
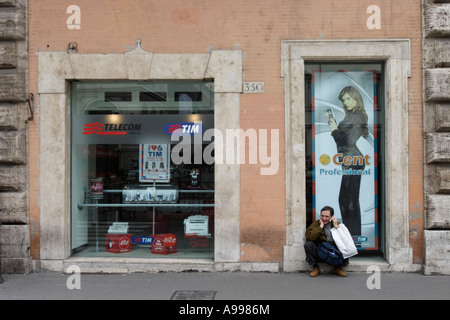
[[321, 224], [335, 222]]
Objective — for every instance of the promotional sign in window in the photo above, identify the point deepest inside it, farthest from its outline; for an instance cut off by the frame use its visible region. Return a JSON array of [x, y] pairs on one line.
[[344, 133], [154, 163]]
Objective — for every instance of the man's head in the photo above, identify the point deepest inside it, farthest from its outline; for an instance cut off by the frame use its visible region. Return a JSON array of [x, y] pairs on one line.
[[326, 213]]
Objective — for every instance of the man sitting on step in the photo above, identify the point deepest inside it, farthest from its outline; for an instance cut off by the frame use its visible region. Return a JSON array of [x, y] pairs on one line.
[[318, 232]]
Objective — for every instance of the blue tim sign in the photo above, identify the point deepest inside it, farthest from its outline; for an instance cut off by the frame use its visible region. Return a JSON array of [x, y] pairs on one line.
[[183, 128], [142, 240]]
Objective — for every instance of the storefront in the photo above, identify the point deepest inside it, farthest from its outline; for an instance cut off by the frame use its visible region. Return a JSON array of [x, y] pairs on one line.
[[203, 138], [133, 160], [122, 130], [142, 177]]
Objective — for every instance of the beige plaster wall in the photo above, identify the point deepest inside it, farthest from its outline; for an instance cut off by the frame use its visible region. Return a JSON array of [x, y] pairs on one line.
[[257, 29]]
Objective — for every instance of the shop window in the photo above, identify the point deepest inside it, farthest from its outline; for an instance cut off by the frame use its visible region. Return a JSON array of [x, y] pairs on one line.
[[344, 114], [135, 191]]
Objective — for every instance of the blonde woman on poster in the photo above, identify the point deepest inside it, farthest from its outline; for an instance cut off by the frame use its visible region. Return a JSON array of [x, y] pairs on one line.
[[346, 134]]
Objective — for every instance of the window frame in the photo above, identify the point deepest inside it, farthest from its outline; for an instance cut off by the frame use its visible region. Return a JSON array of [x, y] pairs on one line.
[[86, 93], [55, 72]]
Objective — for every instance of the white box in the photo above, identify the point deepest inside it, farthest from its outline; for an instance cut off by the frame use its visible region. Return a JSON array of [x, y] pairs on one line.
[[118, 228], [197, 225]]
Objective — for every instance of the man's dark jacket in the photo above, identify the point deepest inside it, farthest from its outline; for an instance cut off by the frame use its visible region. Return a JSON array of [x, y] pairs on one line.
[[316, 234]]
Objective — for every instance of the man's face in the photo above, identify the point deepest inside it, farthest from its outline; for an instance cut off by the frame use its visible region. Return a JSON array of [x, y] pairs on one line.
[[325, 216]]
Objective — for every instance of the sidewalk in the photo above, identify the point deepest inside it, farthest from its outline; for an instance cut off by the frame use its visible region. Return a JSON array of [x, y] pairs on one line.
[[225, 286]]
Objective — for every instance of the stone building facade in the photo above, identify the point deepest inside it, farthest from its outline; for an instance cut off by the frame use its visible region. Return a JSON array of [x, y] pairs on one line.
[[436, 63], [237, 45], [14, 116]]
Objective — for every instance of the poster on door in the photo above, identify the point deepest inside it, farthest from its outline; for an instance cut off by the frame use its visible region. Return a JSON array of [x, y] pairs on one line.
[[345, 151], [154, 164]]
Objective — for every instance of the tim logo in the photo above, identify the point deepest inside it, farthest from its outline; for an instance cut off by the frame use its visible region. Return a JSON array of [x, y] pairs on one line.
[[183, 128]]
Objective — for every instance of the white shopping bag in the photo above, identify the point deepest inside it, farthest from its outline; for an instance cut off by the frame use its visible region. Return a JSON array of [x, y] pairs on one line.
[[344, 241]]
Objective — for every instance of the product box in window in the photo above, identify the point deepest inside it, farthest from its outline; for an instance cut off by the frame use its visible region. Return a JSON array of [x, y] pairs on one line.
[[165, 243], [118, 243], [96, 187], [196, 231], [149, 194], [197, 225]]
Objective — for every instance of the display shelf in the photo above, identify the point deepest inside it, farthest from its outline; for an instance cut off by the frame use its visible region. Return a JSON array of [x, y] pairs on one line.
[[91, 202], [145, 205], [89, 196]]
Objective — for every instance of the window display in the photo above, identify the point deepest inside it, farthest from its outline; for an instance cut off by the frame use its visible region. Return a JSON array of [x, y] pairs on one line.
[[344, 151], [135, 191]]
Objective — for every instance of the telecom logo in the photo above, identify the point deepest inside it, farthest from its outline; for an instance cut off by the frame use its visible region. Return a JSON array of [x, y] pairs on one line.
[[183, 128], [111, 128]]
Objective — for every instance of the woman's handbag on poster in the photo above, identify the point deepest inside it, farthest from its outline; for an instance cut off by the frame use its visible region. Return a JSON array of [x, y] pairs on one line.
[[344, 241]]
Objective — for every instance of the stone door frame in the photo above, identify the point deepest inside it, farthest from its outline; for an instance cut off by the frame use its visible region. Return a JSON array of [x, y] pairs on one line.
[[396, 56]]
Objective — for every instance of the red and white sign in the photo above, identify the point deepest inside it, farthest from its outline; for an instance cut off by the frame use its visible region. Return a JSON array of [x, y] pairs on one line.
[[118, 243], [164, 243]]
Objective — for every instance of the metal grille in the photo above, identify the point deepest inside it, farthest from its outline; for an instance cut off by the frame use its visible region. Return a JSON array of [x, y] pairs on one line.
[[193, 295]]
